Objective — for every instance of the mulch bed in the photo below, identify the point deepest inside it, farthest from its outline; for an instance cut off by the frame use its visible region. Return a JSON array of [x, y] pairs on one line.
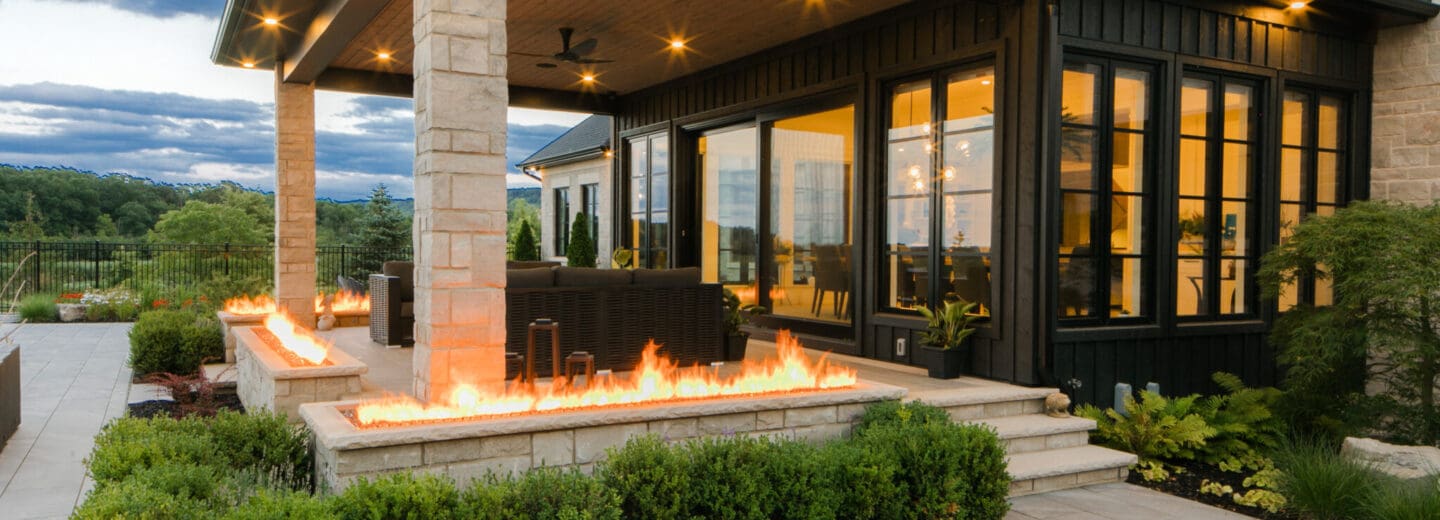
[[1187, 485], [165, 407]]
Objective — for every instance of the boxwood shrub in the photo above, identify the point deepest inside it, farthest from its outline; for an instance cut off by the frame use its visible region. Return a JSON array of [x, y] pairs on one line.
[[907, 462], [173, 341]]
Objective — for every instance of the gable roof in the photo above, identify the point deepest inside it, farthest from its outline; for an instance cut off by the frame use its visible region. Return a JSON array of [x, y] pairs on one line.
[[586, 140]]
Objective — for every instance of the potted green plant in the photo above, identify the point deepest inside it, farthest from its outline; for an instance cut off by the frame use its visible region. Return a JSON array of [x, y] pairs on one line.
[[737, 313], [945, 335]]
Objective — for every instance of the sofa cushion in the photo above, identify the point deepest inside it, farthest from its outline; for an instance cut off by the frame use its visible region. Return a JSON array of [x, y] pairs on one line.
[[530, 278], [405, 271], [590, 277], [682, 277]]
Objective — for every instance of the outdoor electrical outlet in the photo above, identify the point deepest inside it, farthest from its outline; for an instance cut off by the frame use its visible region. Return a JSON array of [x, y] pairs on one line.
[[899, 346]]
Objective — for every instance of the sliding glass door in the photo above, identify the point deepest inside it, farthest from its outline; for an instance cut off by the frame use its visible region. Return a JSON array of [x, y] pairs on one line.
[[795, 175]]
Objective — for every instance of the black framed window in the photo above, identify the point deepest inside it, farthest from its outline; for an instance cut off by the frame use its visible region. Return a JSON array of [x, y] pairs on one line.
[[648, 229], [562, 220], [949, 166], [1106, 257], [590, 204], [1313, 159], [1216, 209]]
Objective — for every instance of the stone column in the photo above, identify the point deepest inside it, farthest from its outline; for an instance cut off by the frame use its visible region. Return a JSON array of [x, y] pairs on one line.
[[1405, 135], [295, 199], [461, 96]]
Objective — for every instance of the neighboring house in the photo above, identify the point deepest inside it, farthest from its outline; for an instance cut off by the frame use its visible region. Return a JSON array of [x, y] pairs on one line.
[[1103, 176], [575, 177]]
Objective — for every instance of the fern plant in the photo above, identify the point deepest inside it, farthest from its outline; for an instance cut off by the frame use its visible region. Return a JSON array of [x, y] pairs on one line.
[[1245, 426], [1158, 429]]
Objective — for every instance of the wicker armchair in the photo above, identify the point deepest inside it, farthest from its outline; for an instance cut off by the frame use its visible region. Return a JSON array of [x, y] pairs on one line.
[[392, 305]]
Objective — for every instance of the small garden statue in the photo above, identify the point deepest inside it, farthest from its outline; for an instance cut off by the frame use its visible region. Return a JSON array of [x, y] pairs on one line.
[[1057, 405]]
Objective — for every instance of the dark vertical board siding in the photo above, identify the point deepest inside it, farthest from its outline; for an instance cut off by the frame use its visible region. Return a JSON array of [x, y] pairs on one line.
[[1091, 14], [1181, 365], [1207, 29], [1110, 20], [1189, 31], [965, 22], [1224, 38], [1275, 47], [1153, 28], [1292, 50], [1070, 14], [1170, 27], [1134, 25]]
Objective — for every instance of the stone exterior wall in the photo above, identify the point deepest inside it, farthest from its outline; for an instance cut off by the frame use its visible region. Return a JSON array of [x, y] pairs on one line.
[[572, 177], [1405, 154], [9, 391], [295, 199], [461, 98]]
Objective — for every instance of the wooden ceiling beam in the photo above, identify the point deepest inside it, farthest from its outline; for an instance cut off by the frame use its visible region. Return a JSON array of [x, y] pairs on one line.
[[402, 85], [335, 24]]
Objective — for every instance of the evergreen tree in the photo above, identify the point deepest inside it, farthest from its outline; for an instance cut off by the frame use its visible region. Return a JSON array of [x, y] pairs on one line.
[[524, 248], [384, 229], [581, 251]]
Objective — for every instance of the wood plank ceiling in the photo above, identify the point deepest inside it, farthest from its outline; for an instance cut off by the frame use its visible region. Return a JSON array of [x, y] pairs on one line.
[[633, 33]]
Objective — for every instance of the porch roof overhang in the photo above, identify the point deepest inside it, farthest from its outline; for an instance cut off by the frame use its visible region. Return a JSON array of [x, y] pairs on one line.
[[336, 43]]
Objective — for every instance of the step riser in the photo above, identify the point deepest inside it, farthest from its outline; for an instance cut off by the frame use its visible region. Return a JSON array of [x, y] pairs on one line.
[[1073, 480], [975, 412], [1046, 442]]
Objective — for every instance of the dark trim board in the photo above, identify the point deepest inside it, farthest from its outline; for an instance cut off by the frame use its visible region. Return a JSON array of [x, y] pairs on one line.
[[1028, 41]]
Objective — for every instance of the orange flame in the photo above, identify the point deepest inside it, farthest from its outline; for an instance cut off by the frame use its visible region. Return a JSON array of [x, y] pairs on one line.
[[344, 302], [252, 306], [656, 379], [296, 339]]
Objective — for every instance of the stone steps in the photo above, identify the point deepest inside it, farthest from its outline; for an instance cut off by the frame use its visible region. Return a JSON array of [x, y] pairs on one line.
[[1044, 453], [1051, 470]]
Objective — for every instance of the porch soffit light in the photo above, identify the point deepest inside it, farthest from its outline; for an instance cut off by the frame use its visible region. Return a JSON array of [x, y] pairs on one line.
[[588, 78], [382, 55], [1299, 4], [677, 44], [271, 21], [248, 64]]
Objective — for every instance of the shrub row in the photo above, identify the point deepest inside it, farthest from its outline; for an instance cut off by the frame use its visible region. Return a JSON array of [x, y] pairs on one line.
[[903, 462], [174, 341]]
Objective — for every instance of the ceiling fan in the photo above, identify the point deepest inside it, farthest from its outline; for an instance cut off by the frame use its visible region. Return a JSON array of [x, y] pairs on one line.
[[568, 53]]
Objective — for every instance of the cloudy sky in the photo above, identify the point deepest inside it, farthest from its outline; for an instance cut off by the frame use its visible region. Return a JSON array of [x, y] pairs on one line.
[[127, 86]]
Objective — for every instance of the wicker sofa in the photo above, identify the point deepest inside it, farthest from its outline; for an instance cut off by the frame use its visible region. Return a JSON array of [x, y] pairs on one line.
[[613, 313], [610, 313]]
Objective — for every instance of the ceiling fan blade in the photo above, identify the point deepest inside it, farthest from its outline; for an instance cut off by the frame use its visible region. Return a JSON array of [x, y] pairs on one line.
[[526, 54], [585, 47], [565, 33], [590, 60]]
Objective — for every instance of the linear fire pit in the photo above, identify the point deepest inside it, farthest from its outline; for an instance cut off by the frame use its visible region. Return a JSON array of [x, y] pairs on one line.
[[267, 379], [229, 323], [468, 449]]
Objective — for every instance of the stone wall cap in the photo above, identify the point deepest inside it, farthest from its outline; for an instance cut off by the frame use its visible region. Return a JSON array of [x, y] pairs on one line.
[[275, 365], [334, 431], [1401, 461]]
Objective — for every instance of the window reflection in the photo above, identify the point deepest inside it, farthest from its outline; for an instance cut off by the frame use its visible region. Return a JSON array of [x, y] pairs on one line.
[[649, 223], [810, 204], [729, 245], [957, 158]]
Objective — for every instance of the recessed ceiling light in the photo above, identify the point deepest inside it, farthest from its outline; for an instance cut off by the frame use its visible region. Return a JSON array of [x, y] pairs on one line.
[[248, 64], [383, 55], [588, 78], [272, 21], [984, 82], [1298, 4], [677, 44]]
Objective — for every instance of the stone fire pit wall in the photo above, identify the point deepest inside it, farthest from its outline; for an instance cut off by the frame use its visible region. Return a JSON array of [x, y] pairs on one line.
[[267, 380], [229, 323], [468, 450]]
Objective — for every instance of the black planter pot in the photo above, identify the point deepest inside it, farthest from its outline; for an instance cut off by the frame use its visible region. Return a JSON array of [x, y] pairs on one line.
[[735, 346], [946, 363]]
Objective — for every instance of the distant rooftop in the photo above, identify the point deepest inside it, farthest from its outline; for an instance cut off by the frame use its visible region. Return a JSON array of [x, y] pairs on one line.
[[587, 140]]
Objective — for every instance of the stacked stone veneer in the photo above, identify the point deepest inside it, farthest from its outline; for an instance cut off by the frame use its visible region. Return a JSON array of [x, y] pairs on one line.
[[295, 199], [1405, 151], [267, 380], [461, 98], [230, 323], [468, 450]]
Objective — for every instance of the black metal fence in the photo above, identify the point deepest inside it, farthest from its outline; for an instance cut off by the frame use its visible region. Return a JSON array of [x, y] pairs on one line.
[[59, 267]]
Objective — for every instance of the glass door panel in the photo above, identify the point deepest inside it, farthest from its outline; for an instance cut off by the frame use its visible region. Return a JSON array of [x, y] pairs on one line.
[[730, 249], [810, 214]]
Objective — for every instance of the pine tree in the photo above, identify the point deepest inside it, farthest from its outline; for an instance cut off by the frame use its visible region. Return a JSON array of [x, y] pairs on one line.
[[581, 251], [384, 229], [524, 247]]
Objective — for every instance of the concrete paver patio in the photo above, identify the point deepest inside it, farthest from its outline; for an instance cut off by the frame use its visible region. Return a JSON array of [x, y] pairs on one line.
[[74, 380]]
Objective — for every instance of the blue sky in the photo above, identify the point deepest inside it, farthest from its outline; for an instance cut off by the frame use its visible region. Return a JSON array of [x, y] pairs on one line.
[[127, 86]]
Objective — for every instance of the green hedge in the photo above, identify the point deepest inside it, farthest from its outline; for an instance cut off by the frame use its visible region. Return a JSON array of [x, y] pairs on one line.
[[174, 341], [907, 462]]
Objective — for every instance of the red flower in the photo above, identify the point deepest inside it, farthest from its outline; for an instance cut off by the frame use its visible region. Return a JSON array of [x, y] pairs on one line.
[[159, 303]]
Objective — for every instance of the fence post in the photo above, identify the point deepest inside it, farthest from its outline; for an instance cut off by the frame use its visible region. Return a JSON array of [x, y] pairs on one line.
[[344, 265], [97, 264], [227, 260], [35, 269]]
